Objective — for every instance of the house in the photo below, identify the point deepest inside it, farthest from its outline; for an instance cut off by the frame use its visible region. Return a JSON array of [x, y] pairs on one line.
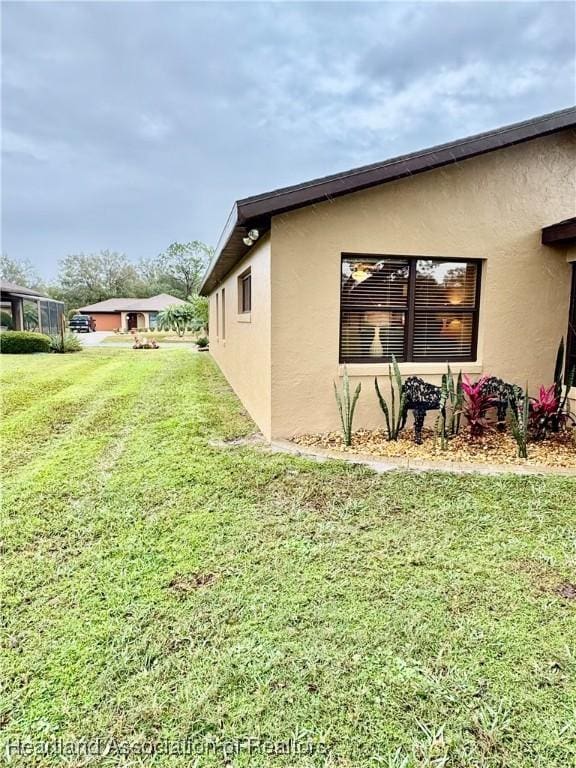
[[25, 309], [128, 314], [463, 253]]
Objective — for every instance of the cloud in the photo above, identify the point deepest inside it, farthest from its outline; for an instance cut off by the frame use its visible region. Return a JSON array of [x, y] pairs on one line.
[[153, 127], [131, 125]]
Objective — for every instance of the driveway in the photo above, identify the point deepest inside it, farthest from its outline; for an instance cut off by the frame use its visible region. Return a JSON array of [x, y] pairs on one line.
[[92, 339]]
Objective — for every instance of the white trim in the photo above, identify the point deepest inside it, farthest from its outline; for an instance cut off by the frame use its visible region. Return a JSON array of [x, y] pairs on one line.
[[409, 369]]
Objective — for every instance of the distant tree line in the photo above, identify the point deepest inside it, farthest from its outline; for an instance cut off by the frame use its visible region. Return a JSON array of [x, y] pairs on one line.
[[88, 278]]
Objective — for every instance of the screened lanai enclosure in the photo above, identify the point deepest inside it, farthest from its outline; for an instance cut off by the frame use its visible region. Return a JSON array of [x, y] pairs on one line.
[[24, 309]]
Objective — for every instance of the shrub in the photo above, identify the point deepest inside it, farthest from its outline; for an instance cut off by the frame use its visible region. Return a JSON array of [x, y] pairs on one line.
[[202, 342], [347, 406], [6, 320], [23, 343], [393, 419], [200, 310], [66, 342], [476, 405]]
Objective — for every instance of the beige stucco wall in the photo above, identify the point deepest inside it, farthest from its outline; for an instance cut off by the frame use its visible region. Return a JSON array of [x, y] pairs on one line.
[[491, 207], [244, 356]]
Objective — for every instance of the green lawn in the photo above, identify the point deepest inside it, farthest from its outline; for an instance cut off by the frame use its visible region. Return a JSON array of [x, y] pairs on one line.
[[159, 584], [160, 336]]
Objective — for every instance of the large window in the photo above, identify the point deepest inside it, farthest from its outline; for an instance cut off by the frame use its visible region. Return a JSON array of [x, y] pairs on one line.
[[414, 309]]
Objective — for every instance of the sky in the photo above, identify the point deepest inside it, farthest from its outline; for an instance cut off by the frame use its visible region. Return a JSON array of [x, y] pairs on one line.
[[130, 125]]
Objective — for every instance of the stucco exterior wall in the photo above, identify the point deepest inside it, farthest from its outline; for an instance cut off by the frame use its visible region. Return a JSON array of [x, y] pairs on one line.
[[492, 207], [106, 321], [244, 354]]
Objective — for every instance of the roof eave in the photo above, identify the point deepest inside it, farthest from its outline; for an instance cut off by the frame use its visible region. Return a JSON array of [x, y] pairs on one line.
[[257, 211], [560, 234]]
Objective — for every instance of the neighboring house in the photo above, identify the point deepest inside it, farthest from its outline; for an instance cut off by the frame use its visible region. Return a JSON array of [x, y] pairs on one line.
[[128, 314], [462, 253], [26, 309]]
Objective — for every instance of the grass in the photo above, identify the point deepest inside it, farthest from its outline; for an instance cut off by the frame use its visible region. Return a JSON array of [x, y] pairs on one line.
[[158, 583], [170, 336]]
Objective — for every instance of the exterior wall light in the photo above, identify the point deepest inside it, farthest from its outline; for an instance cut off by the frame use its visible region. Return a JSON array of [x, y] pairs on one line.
[[251, 238]]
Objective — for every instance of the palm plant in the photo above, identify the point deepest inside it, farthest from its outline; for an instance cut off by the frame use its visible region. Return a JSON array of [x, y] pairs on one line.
[[176, 317]]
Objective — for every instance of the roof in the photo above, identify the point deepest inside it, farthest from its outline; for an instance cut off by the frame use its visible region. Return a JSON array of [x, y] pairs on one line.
[[256, 212], [562, 233], [22, 291], [152, 304]]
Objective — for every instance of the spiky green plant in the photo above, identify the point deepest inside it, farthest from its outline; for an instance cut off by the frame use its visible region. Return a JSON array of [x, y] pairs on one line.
[[559, 370], [393, 417], [561, 391], [347, 406], [65, 342], [519, 424], [441, 420], [456, 401], [450, 411]]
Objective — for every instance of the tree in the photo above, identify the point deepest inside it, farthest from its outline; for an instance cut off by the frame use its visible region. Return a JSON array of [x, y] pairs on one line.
[[151, 275], [200, 308], [21, 272], [176, 317], [89, 278], [30, 312], [179, 269]]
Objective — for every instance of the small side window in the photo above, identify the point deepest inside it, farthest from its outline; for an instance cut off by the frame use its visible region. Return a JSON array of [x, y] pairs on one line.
[[245, 292], [223, 314]]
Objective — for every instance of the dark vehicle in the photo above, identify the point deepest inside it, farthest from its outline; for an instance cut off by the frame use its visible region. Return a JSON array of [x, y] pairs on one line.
[[81, 324]]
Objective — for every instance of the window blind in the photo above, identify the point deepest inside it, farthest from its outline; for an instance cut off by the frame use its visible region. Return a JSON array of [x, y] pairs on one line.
[[414, 309]]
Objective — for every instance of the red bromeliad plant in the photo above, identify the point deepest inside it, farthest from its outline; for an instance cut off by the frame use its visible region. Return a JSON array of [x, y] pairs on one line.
[[544, 411], [476, 405]]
